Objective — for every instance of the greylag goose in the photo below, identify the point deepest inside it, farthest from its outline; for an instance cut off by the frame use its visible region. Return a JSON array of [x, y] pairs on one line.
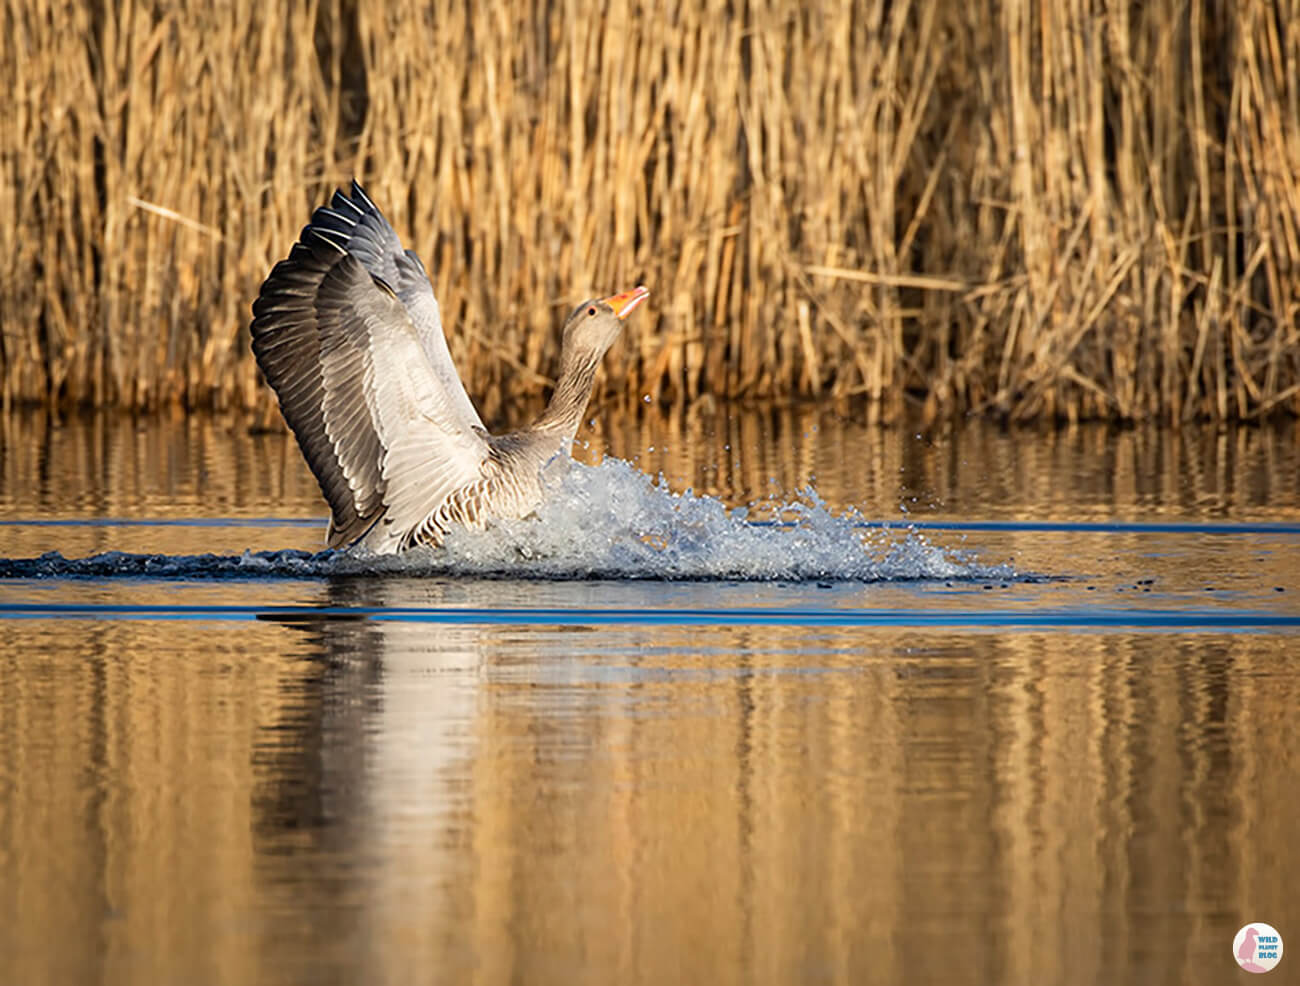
[[348, 334]]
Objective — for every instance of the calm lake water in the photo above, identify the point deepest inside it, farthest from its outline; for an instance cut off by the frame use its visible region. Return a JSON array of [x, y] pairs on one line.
[[1044, 734]]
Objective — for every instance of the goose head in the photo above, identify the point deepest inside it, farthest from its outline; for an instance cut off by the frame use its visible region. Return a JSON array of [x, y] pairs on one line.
[[594, 325]]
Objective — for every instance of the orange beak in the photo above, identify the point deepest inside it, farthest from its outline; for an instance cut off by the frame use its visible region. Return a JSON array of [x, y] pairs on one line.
[[628, 300]]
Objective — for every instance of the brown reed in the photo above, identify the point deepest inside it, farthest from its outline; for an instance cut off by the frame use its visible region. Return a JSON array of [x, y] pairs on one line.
[[1063, 210]]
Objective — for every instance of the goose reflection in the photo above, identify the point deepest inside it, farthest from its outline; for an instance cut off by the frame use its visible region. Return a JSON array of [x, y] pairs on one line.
[[375, 722], [378, 712]]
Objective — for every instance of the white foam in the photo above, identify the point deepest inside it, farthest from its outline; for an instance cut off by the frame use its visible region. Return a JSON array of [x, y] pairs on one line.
[[613, 521]]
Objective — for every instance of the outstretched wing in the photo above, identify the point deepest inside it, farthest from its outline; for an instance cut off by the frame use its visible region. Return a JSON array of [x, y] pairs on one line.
[[357, 226], [383, 434]]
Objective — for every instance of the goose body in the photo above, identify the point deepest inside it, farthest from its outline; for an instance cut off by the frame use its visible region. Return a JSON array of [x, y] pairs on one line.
[[348, 334]]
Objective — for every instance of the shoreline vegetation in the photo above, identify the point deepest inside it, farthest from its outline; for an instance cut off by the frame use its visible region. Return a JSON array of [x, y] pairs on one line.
[[1039, 211]]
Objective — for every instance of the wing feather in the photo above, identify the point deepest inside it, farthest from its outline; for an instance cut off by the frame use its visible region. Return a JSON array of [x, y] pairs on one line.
[[346, 368], [426, 451], [286, 342], [388, 439], [356, 225]]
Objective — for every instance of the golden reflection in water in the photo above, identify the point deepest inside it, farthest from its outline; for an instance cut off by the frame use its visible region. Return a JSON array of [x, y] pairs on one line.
[[363, 801], [127, 770], [373, 801]]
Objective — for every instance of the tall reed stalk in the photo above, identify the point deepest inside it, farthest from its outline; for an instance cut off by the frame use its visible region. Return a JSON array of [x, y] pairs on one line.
[[1070, 209]]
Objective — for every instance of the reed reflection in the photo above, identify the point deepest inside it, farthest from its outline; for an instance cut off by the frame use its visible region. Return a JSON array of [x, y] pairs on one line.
[[363, 800], [532, 801], [204, 466]]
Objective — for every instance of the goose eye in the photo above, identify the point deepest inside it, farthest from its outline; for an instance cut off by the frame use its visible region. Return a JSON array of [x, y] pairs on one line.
[[591, 310]]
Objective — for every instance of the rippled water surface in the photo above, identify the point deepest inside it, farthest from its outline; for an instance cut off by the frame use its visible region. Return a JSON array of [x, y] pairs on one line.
[[963, 706]]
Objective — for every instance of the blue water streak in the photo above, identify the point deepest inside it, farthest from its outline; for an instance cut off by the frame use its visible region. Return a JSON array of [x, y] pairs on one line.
[[1056, 619]]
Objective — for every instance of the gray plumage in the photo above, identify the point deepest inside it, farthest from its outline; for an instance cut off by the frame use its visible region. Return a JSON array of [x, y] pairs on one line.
[[348, 333]]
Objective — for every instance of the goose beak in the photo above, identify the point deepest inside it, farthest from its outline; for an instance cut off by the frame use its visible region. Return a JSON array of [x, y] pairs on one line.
[[624, 303]]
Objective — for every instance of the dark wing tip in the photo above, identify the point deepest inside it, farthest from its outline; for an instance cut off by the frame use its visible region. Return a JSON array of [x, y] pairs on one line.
[[341, 203], [359, 194]]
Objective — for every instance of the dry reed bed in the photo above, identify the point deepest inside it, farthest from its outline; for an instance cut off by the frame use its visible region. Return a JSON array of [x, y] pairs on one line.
[[1069, 209]]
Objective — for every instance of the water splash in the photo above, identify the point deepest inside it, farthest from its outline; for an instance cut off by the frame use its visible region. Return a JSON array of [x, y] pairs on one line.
[[614, 521], [607, 521]]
